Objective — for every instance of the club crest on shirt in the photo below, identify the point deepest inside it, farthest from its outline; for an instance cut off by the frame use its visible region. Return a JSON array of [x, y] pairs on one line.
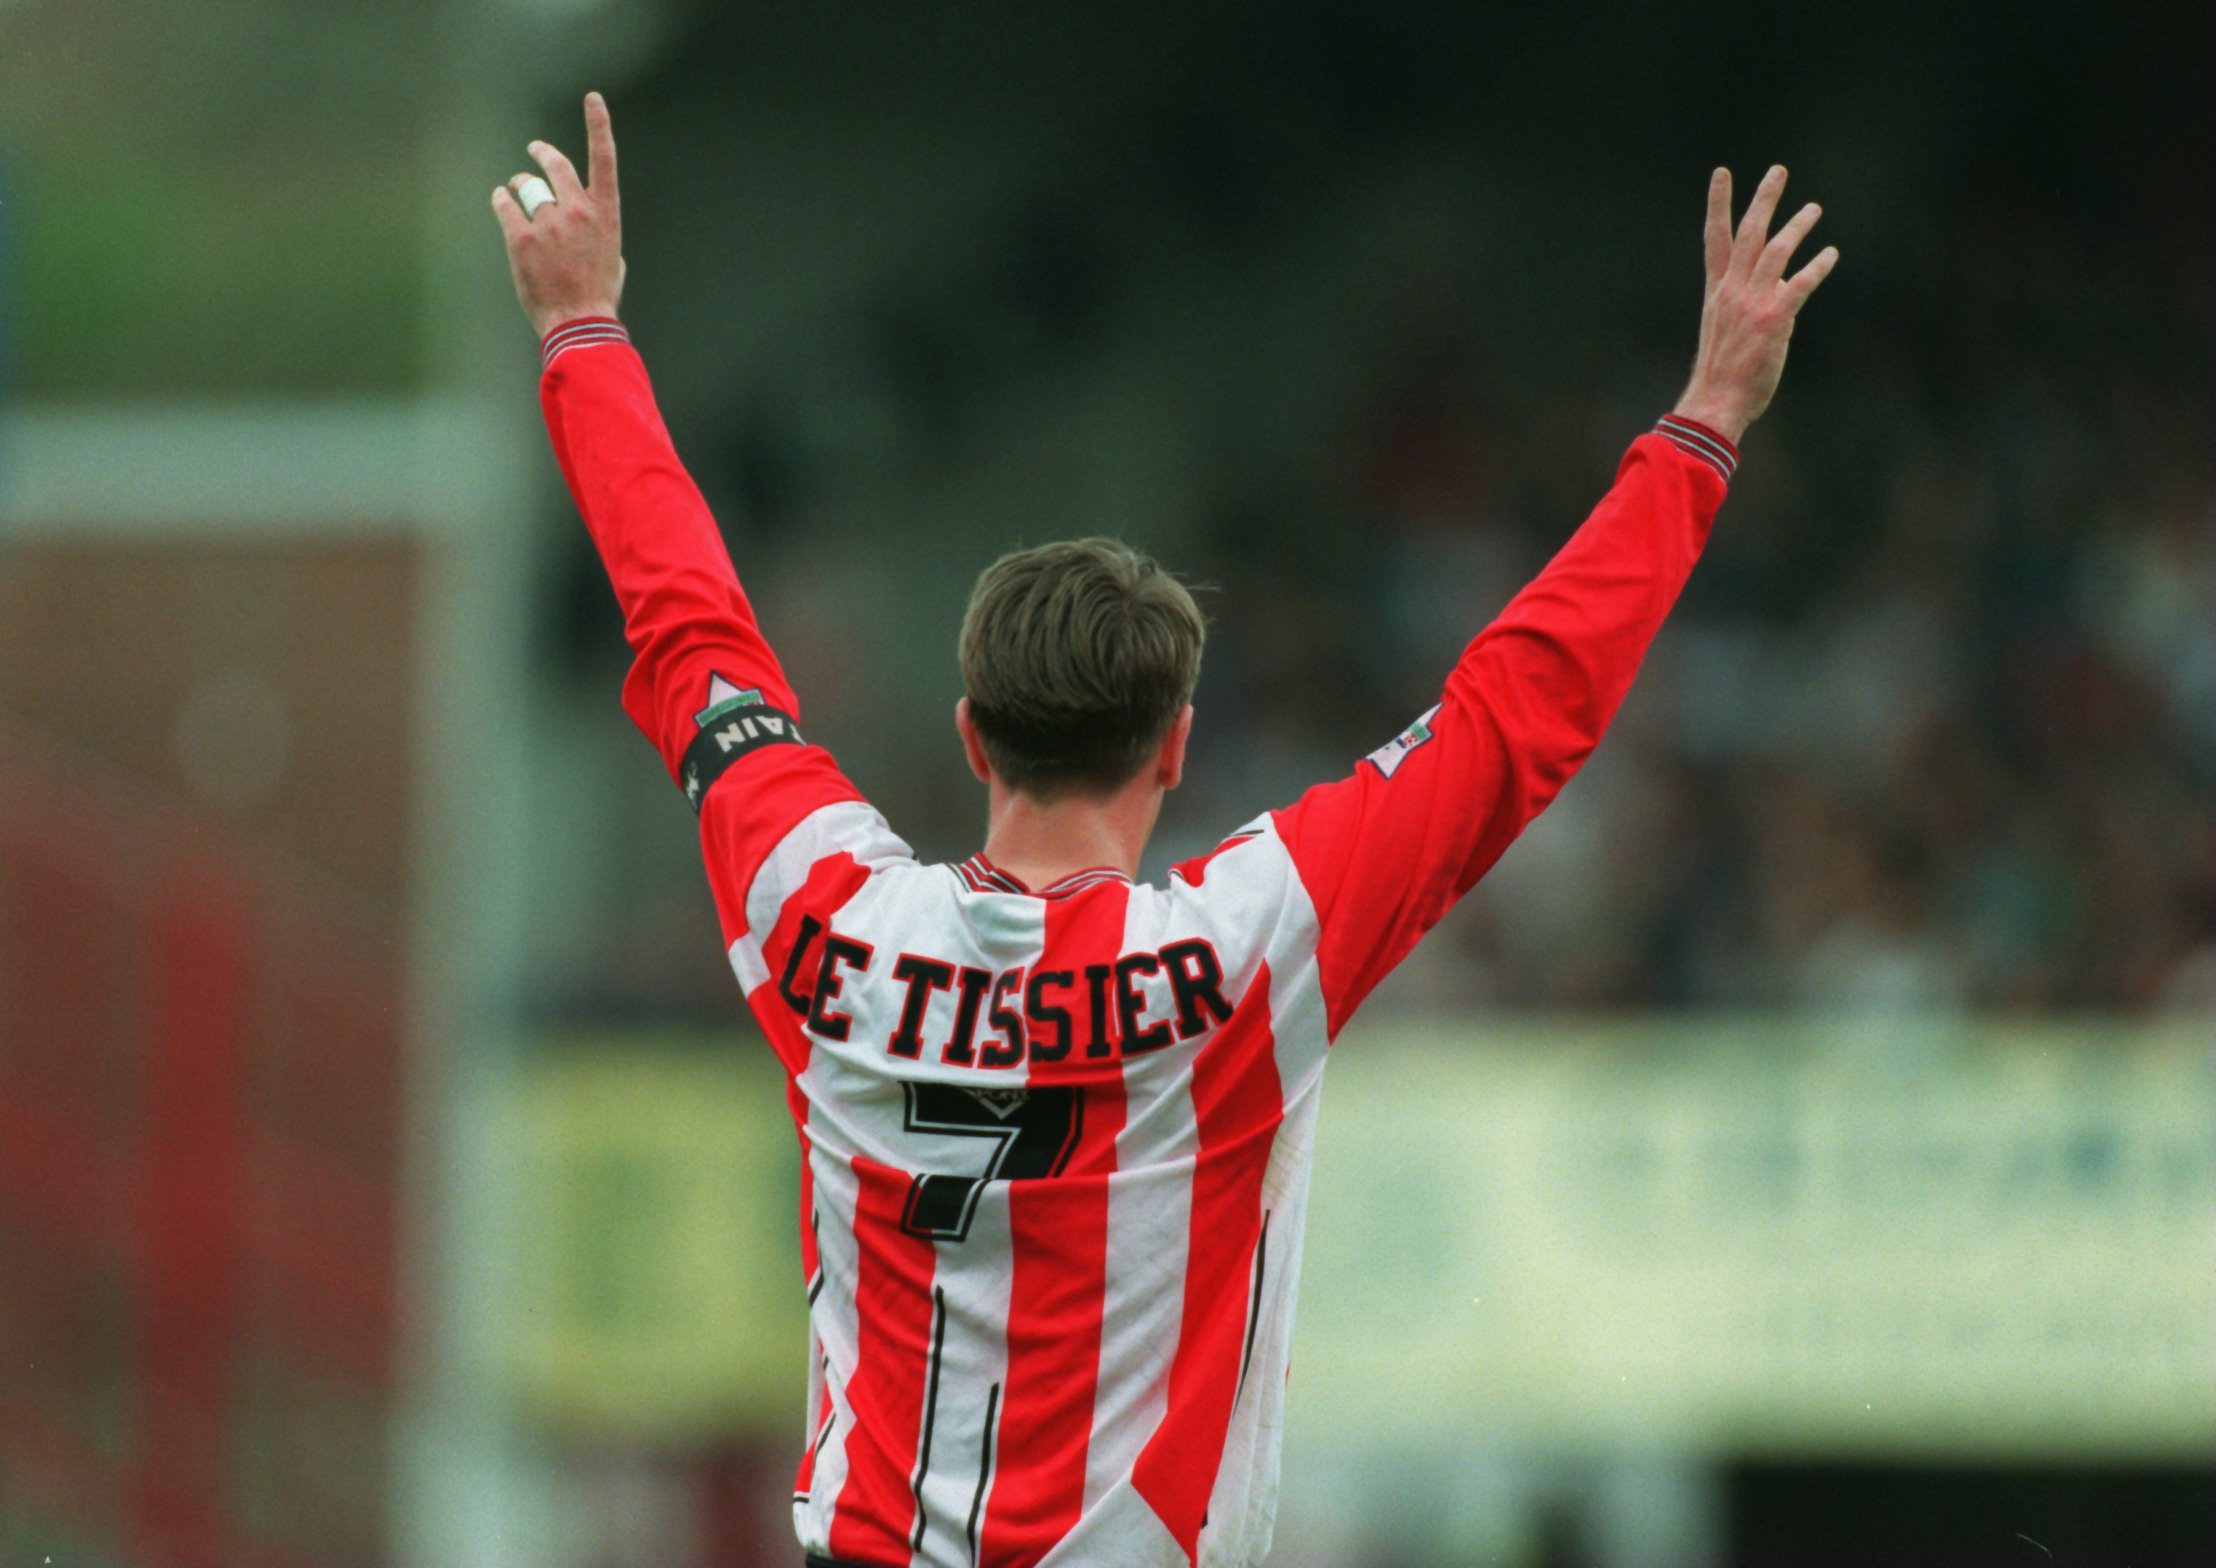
[[1388, 757], [725, 697]]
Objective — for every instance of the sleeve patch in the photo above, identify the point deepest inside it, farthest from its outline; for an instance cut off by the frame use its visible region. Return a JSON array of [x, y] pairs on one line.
[[725, 697], [1388, 757], [744, 729]]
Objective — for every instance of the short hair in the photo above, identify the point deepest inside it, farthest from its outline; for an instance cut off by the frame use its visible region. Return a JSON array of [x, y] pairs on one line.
[[1077, 657]]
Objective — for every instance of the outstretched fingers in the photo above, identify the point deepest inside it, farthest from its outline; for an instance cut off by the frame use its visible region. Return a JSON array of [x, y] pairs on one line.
[[1780, 250], [1803, 283], [1716, 235], [1754, 228], [600, 146]]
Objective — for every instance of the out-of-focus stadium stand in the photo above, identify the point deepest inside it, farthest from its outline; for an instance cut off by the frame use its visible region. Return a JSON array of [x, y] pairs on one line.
[[1936, 727], [1821, 1091]]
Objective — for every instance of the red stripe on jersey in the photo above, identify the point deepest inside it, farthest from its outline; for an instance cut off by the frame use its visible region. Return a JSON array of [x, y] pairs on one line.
[[748, 813], [1059, 1240], [804, 1481], [1238, 1105], [892, 1301], [811, 1262], [831, 882]]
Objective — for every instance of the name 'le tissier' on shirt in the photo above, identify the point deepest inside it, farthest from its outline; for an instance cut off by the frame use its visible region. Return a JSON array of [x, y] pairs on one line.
[[1055, 1141]]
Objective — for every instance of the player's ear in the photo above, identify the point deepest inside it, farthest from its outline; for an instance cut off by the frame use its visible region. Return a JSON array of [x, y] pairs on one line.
[[1169, 762], [972, 747]]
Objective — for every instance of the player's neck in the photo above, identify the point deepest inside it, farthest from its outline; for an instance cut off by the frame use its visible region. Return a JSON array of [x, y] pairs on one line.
[[1039, 844]]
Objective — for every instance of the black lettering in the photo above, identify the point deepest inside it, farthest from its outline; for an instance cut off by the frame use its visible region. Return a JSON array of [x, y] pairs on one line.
[[810, 927], [1097, 977], [1196, 982], [837, 950], [1033, 1132], [1043, 1011], [975, 983], [1137, 1038], [922, 976], [1008, 1049]]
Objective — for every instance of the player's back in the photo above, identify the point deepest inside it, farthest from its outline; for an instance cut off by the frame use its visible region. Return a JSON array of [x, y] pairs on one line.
[[1056, 1155]]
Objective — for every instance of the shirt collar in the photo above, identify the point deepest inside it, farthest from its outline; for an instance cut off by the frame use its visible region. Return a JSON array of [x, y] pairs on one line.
[[982, 876]]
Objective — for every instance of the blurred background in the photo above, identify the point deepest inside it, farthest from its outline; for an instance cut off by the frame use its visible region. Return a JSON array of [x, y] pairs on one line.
[[1802, 1149]]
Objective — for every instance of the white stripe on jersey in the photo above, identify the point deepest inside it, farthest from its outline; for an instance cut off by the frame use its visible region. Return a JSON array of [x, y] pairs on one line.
[[1120, 1532], [835, 1317], [972, 1381], [1148, 1222]]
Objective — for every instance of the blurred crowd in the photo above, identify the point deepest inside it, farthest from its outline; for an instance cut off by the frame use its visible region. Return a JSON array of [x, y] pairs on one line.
[[1934, 727]]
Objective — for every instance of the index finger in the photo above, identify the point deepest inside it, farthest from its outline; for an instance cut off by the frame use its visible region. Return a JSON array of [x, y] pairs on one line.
[[1717, 234], [600, 144]]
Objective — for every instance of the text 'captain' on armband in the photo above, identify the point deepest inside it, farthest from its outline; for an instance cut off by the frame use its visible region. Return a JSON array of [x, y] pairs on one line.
[[729, 737]]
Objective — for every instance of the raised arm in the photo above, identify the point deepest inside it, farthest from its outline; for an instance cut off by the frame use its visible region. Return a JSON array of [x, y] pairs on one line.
[[699, 654], [704, 685], [1385, 852]]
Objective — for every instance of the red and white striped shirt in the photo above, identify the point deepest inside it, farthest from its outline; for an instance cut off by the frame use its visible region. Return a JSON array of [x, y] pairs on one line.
[[1055, 1142]]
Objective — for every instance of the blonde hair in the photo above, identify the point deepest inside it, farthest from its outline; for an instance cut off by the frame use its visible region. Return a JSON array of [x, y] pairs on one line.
[[1076, 657]]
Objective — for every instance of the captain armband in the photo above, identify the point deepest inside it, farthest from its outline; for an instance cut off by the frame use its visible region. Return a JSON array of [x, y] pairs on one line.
[[726, 739]]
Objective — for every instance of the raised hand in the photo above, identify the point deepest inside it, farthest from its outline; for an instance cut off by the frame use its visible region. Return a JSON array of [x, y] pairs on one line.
[[1746, 318], [567, 255]]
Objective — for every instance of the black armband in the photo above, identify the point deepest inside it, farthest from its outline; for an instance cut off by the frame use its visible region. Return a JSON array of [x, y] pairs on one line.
[[718, 745]]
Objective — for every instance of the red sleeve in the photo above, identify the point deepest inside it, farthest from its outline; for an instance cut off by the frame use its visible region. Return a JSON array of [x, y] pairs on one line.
[[683, 612], [1383, 854], [704, 685]]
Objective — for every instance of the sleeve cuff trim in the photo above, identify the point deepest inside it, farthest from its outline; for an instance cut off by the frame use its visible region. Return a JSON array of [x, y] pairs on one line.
[[585, 330], [1697, 440]]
